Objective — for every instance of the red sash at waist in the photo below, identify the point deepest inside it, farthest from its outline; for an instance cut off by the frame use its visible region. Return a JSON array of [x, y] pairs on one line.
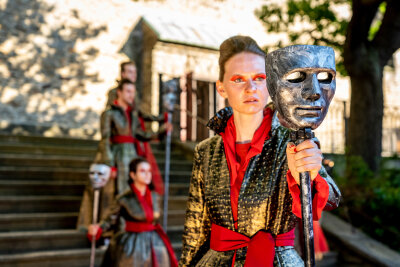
[[138, 227], [120, 139], [261, 247]]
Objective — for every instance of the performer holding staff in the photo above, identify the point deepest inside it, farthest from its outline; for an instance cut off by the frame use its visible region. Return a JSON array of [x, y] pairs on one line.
[[244, 195], [99, 175]]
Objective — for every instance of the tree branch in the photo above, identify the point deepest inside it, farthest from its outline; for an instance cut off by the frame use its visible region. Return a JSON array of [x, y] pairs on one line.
[[356, 44], [364, 12], [387, 39]]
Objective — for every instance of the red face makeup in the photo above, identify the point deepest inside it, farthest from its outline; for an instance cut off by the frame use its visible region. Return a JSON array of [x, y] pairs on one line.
[[259, 77], [241, 78], [238, 78]]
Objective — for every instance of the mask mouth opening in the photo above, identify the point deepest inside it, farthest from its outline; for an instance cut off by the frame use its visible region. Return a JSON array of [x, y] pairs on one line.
[[309, 108], [307, 111]]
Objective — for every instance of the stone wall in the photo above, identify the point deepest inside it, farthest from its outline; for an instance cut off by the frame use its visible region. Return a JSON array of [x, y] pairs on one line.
[[57, 61], [59, 58]]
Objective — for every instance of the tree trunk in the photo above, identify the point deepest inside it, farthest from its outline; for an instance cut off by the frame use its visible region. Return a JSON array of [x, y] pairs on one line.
[[363, 63], [366, 111]]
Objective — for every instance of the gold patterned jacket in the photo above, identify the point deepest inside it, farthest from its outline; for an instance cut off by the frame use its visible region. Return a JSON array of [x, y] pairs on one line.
[[265, 202]]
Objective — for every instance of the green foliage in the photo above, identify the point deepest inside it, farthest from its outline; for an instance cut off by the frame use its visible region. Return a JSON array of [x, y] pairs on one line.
[[376, 24], [372, 202], [320, 23]]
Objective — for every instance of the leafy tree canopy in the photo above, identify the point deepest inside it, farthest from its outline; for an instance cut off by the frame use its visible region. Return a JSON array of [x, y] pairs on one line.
[[317, 22]]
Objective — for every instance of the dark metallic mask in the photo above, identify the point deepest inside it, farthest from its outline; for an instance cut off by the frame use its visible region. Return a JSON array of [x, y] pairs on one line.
[[301, 81]]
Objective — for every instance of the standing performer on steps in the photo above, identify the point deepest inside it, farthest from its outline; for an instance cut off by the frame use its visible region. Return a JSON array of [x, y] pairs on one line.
[[122, 131], [121, 136], [244, 195]]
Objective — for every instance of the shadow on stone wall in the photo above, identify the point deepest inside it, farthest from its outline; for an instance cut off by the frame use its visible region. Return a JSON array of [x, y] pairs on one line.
[[40, 69]]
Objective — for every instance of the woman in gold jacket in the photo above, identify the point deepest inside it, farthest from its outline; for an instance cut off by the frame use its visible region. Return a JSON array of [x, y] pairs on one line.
[[243, 196]]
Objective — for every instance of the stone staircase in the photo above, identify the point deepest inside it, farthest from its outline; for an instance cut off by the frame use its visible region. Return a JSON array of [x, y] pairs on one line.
[[41, 186]]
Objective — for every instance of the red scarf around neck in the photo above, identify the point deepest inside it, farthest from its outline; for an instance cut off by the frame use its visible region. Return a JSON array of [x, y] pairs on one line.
[[145, 201], [238, 169]]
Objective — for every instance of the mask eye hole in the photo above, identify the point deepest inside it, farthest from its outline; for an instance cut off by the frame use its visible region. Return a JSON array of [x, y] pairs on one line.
[[296, 77], [324, 77]]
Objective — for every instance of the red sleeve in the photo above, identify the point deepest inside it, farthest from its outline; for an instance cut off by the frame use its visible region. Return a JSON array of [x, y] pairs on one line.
[[98, 235], [165, 117], [320, 197], [114, 169]]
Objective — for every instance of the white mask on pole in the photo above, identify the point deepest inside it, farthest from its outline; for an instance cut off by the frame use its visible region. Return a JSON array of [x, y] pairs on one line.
[[99, 175]]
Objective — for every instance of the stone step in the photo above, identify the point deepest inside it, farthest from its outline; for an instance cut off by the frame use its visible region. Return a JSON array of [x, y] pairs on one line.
[[67, 142], [34, 149], [69, 174], [161, 146], [40, 140], [40, 204], [178, 189], [60, 220], [355, 248], [43, 204], [178, 165], [43, 174], [32, 187], [23, 160], [175, 234], [30, 241], [62, 258], [70, 188], [176, 217], [178, 176], [72, 162], [175, 154], [37, 221]]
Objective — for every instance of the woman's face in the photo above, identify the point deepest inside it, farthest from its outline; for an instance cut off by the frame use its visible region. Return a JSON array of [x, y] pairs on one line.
[[244, 83], [143, 174]]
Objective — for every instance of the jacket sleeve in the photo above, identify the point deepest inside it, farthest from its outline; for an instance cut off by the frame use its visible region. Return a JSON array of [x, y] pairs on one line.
[[111, 216], [149, 117], [197, 223], [104, 154], [334, 192], [145, 136], [319, 184], [325, 194]]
